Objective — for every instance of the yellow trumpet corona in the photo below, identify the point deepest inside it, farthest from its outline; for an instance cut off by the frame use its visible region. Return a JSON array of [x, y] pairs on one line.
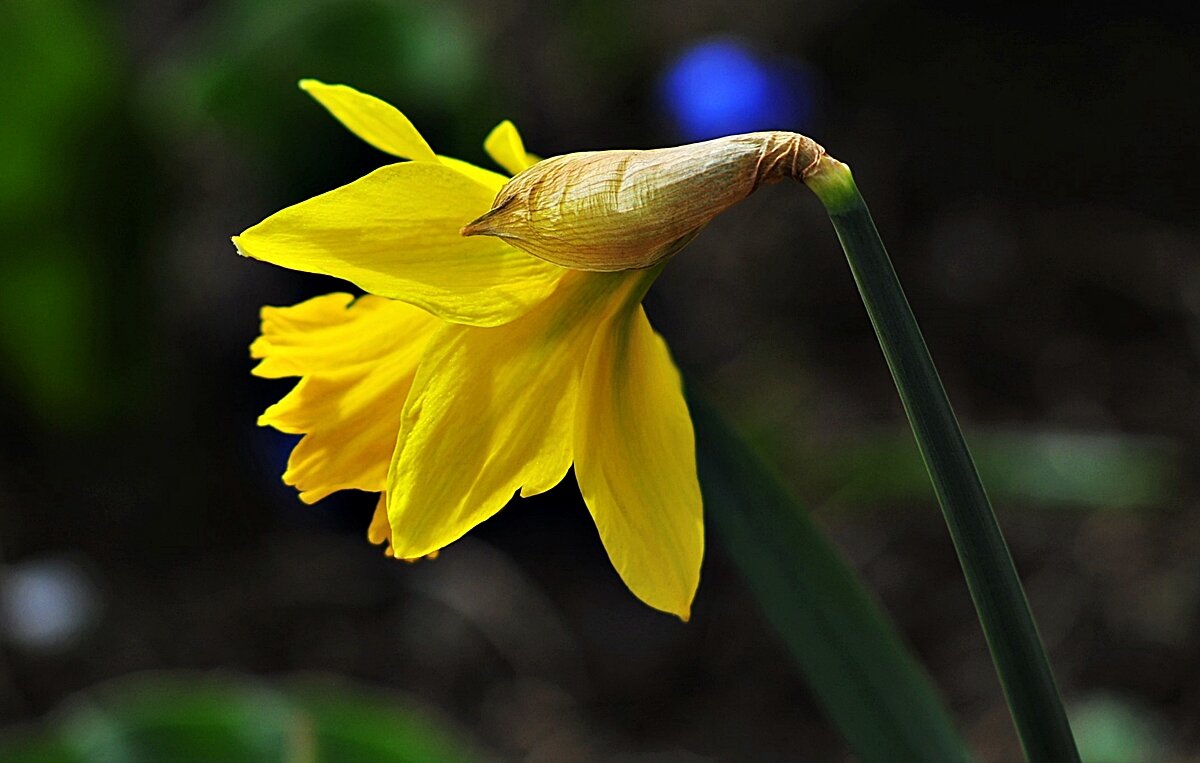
[[629, 210]]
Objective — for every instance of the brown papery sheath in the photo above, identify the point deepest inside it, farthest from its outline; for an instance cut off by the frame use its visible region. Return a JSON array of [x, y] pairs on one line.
[[630, 209]]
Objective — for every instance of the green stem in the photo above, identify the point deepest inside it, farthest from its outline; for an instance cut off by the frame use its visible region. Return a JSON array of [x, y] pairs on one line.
[[1008, 625]]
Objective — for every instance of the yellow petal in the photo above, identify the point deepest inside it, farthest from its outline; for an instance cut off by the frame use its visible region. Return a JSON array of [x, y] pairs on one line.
[[385, 127], [491, 412], [635, 460], [297, 340], [493, 181], [357, 359], [379, 532], [378, 123], [506, 148], [395, 233]]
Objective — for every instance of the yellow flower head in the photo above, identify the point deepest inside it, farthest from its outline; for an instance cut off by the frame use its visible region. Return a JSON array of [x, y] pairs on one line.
[[471, 370]]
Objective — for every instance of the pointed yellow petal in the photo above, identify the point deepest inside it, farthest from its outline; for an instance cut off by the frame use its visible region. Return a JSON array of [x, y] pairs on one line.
[[491, 412], [395, 233], [635, 459], [378, 532], [506, 148], [385, 127], [378, 123], [357, 359]]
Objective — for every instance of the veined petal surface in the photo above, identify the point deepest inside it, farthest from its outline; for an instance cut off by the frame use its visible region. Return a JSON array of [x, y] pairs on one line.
[[357, 360], [493, 181], [377, 122], [635, 460], [395, 233], [492, 411]]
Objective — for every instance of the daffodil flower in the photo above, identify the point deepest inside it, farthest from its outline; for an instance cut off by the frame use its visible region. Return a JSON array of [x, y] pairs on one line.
[[502, 339]]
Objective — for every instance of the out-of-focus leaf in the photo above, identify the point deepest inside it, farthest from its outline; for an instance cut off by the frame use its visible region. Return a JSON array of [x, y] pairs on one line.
[[59, 67], [1111, 729], [46, 309], [354, 725], [241, 68], [56, 64], [184, 718], [857, 665], [28, 746], [1049, 468]]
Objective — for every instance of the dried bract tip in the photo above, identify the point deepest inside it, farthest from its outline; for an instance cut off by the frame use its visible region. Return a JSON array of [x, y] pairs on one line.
[[625, 210]]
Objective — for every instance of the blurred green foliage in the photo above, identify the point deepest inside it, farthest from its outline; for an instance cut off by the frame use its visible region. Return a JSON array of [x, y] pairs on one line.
[[1113, 729], [1044, 468], [60, 68], [58, 64], [181, 718], [422, 55]]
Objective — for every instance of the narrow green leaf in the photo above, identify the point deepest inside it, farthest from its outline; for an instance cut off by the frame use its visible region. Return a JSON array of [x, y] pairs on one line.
[[860, 670]]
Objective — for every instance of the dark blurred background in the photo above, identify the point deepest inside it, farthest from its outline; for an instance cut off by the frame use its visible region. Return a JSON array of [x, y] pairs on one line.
[[1032, 168]]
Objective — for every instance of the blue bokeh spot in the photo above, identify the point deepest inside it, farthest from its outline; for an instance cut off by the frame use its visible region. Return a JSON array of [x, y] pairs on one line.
[[721, 87]]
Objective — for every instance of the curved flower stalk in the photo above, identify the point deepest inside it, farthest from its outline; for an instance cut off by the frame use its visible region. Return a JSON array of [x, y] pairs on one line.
[[471, 370]]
